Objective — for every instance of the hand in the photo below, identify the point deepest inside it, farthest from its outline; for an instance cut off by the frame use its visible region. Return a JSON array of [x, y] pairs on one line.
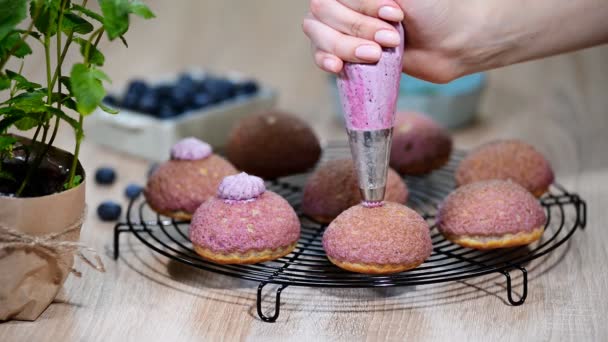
[[354, 31], [446, 39]]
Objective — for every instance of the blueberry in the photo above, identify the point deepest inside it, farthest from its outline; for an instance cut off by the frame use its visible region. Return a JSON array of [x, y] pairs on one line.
[[164, 91], [219, 89], [111, 100], [137, 88], [105, 176], [200, 100], [185, 81], [181, 97], [130, 101], [132, 191], [247, 88], [109, 211], [148, 103], [166, 111]]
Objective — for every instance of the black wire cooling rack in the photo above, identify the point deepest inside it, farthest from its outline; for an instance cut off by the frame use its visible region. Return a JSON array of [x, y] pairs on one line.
[[308, 265]]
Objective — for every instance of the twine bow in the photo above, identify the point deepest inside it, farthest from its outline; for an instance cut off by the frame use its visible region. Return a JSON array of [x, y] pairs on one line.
[[51, 245]]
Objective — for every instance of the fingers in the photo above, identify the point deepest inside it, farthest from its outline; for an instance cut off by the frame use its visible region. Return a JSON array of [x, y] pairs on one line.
[[353, 23], [383, 9], [328, 62], [347, 48]]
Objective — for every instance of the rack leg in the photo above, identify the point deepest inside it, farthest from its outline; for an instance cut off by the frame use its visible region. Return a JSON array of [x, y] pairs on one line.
[[117, 230], [524, 293], [582, 211], [277, 303]]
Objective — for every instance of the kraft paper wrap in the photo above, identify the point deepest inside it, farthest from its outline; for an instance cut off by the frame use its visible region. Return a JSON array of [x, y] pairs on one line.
[[30, 276]]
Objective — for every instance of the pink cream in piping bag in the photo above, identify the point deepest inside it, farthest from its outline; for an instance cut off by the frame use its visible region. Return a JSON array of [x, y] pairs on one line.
[[369, 98]]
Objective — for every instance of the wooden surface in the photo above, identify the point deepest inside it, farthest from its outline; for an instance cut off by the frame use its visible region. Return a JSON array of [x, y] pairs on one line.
[[559, 104]]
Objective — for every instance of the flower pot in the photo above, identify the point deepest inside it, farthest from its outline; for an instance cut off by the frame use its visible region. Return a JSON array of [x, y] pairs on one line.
[[32, 270]]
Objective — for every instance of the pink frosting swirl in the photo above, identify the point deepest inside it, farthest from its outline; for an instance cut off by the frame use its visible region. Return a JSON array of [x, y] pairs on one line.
[[241, 187], [190, 149]]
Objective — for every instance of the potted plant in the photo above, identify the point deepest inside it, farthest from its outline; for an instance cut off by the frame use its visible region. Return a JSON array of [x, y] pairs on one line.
[[42, 192]]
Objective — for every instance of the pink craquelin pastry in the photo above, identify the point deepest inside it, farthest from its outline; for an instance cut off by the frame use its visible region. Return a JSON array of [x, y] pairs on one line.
[[420, 145], [244, 223], [491, 214], [384, 239], [507, 159], [333, 188], [190, 177]]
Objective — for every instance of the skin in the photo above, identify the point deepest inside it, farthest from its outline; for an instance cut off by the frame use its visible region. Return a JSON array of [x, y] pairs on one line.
[[446, 39]]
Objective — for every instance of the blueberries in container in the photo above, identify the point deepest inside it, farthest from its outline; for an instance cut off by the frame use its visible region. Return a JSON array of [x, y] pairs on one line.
[[166, 111], [111, 100], [247, 88], [148, 102]]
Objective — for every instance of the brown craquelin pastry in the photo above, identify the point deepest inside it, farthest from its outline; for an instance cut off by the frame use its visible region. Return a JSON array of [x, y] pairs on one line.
[[333, 188], [180, 185], [507, 159], [381, 240], [491, 214], [273, 144], [420, 145]]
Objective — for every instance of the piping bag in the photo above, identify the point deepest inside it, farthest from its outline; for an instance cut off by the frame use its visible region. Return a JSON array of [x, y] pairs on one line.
[[368, 93]]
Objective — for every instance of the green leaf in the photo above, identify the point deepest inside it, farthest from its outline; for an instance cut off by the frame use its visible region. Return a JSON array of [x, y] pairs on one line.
[[28, 102], [13, 41], [77, 181], [46, 13], [115, 17], [66, 82], [87, 87], [140, 9], [12, 13], [5, 82], [8, 122], [108, 110], [6, 142], [63, 116], [27, 123], [95, 56], [73, 23], [87, 12], [22, 82]]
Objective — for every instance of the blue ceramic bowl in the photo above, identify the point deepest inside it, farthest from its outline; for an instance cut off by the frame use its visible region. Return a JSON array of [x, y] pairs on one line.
[[454, 104]]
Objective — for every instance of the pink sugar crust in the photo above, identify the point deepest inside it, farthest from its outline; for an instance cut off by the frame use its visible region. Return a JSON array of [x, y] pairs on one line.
[[419, 143], [267, 222], [507, 159], [182, 185], [190, 149], [369, 204], [490, 208], [333, 188], [369, 92], [241, 187], [390, 234]]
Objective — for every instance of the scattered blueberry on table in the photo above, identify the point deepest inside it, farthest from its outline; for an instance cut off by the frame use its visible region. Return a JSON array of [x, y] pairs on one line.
[[132, 191], [109, 211], [105, 176], [168, 100]]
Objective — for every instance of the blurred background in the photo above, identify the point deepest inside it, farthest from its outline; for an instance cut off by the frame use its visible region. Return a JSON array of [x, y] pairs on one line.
[[263, 40]]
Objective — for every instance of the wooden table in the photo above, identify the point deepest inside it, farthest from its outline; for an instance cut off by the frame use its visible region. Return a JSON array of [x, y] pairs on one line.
[[560, 105]]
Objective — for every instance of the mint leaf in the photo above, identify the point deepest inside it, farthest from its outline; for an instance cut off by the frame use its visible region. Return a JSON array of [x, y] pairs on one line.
[[63, 116], [28, 102], [87, 12], [6, 176], [73, 23], [13, 41], [13, 11], [6, 142], [107, 109], [45, 13], [5, 82], [8, 122], [87, 87], [95, 56], [21, 82], [27, 123], [115, 17], [139, 8], [77, 180]]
